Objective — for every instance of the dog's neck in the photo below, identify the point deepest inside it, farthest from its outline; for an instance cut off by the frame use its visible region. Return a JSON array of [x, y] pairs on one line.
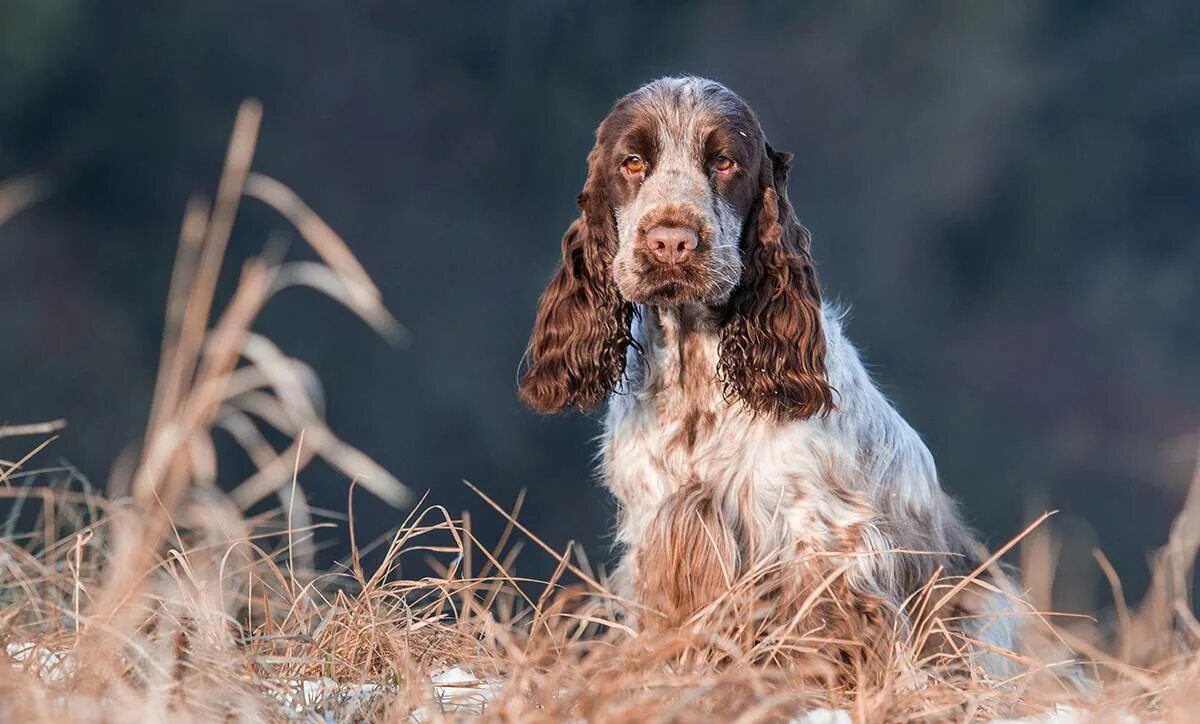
[[681, 347]]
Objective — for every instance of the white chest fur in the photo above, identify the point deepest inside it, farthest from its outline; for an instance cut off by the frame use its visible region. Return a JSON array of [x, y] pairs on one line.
[[857, 487], [790, 484]]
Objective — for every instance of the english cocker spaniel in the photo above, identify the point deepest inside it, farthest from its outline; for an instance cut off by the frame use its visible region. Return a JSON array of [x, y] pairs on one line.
[[741, 424]]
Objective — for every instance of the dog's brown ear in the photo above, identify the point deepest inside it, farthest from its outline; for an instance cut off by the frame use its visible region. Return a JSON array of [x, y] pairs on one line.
[[772, 344], [576, 354]]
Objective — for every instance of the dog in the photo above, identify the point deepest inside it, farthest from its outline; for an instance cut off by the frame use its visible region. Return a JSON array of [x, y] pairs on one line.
[[741, 425]]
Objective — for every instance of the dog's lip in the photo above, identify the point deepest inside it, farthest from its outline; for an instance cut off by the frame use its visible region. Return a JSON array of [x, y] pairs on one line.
[[659, 285], [670, 292]]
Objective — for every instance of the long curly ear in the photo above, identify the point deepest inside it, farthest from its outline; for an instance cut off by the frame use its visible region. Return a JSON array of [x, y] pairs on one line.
[[772, 344], [576, 354]]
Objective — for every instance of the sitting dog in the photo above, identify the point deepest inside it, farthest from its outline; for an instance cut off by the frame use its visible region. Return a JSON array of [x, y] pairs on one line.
[[741, 424]]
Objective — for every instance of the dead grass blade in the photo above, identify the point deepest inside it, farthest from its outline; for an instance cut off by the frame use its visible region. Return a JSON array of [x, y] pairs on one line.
[[1151, 625], [36, 428], [19, 193]]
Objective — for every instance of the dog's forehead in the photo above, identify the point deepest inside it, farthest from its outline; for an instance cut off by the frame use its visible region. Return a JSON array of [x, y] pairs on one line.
[[692, 106], [686, 108]]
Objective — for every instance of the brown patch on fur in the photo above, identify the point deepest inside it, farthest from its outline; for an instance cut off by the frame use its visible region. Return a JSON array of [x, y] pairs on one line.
[[693, 373], [773, 345], [696, 378], [688, 558], [697, 423]]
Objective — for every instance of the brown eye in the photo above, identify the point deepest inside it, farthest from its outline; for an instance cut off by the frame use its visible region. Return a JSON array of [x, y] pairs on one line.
[[634, 165], [723, 165]]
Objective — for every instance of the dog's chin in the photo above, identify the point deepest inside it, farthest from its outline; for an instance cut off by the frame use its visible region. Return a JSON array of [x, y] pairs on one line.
[[669, 292]]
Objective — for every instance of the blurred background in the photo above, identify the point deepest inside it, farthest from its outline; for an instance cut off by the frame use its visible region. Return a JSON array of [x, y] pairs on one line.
[[1006, 193]]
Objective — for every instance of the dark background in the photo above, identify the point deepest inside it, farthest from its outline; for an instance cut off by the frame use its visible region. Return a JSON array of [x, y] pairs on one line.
[[1005, 192]]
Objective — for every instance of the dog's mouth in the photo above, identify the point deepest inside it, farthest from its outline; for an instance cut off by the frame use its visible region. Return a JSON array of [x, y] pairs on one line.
[[668, 288], [667, 294]]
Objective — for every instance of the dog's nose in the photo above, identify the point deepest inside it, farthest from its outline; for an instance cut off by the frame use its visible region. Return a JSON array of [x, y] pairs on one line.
[[671, 244]]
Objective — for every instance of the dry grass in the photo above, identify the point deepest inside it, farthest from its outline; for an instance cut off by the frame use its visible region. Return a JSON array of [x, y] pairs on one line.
[[166, 599]]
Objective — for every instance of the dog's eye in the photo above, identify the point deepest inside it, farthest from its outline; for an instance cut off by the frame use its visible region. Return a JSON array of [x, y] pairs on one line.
[[723, 165], [634, 165]]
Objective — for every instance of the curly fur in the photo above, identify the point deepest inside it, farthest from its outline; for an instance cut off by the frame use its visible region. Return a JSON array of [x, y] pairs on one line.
[[772, 347], [576, 354]]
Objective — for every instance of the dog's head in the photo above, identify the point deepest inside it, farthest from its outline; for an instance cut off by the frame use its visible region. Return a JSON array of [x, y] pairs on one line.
[[682, 164], [685, 204]]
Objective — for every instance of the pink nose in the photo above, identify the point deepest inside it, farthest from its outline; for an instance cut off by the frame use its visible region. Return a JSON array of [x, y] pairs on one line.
[[671, 244]]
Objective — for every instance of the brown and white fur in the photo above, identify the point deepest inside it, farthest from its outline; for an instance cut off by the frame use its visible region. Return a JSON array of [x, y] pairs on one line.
[[741, 423]]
